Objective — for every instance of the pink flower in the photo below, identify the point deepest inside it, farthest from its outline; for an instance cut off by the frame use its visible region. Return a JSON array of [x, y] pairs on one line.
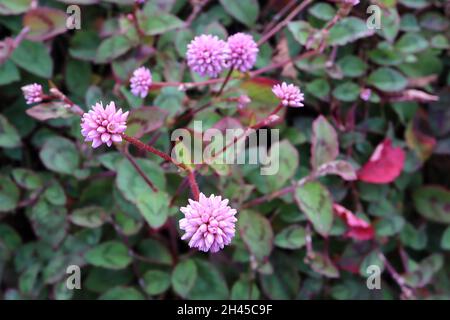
[[32, 93], [244, 51], [103, 125], [289, 95], [365, 94], [140, 82], [243, 101], [351, 2], [208, 223], [139, 1], [207, 55]]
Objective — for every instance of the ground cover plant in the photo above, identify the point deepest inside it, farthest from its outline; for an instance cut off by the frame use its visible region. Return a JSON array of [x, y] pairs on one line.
[[105, 102]]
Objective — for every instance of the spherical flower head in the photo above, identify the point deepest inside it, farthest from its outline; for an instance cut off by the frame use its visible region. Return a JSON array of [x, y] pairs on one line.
[[103, 125], [32, 93], [243, 51], [207, 55], [139, 1], [209, 223], [140, 82], [289, 94]]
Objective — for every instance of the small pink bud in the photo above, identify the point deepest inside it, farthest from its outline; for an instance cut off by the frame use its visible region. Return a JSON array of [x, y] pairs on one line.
[[33, 93], [140, 82]]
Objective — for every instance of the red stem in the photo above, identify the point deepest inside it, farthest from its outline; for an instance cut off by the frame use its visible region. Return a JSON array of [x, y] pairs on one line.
[[139, 144], [194, 186]]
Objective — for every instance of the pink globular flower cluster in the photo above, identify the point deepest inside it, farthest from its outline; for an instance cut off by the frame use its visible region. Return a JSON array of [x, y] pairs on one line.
[[243, 51], [140, 82], [207, 55], [33, 93], [209, 223], [289, 94], [103, 125]]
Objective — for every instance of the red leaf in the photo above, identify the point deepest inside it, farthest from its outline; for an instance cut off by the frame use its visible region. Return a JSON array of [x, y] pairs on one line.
[[358, 228], [385, 164]]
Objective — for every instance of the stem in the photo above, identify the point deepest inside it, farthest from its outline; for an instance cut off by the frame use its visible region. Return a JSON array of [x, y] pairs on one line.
[[193, 184], [266, 121], [195, 11], [408, 293], [283, 23], [142, 146], [61, 96], [279, 15], [224, 83], [139, 170]]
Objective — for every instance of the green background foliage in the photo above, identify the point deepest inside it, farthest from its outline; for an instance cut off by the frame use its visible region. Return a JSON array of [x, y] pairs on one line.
[[63, 203]]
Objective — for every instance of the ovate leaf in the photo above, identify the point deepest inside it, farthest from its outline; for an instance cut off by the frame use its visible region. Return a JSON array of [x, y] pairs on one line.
[[315, 201]]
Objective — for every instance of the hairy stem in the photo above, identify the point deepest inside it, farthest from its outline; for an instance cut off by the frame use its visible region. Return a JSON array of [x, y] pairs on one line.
[[193, 184], [142, 146]]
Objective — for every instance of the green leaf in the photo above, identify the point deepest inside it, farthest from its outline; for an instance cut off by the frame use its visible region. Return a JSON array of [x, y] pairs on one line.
[[89, 217], [27, 179], [390, 24], [352, 66], [110, 255], [183, 277], [49, 222], [154, 250], [387, 79], [445, 240], [9, 194], [44, 23], [411, 43], [210, 283], [315, 201], [153, 206], [433, 203], [284, 160], [256, 233], [83, 45], [244, 290], [60, 155], [245, 12], [346, 91], [284, 282], [158, 23], [319, 88], [122, 293], [112, 48], [323, 265], [8, 73], [325, 145], [348, 30], [292, 237], [8, 7], [300, 30], [9, 137], [29, 278], [322, 11], [34, 58], [156, 281], [49, 110]]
